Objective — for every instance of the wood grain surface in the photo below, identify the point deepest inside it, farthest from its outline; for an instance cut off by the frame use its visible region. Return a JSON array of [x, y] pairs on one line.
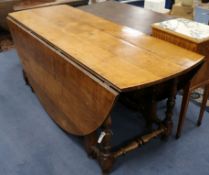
[[78, 64], [78, 102], [123, 58], [29, 4], [201, 47], [8, 6], [127, 15]]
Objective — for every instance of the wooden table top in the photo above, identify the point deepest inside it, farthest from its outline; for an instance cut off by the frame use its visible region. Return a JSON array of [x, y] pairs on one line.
[[122, 57], [28, 4], [127, 15]]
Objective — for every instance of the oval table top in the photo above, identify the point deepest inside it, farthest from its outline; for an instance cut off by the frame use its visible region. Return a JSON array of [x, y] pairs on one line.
[[122, 57]]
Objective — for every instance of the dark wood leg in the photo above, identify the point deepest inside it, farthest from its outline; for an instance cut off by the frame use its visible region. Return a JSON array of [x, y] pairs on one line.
[[203, 105], [106, 159], [184, 106], [100, 147], [90, 143], [169, 111], [151, 113], [26, 80], [103, 149]]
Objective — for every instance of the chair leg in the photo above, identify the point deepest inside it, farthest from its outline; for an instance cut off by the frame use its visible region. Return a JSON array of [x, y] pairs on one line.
[[184, 106], [203, 105]]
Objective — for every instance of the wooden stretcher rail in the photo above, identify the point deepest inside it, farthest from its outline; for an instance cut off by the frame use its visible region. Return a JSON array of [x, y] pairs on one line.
[[138, 142]]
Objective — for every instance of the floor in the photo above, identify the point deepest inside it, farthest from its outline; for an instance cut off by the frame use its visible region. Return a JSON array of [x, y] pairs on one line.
[[32, 144]]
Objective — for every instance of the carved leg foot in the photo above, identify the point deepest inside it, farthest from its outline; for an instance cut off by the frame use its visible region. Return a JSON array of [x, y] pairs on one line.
[[106, 163]]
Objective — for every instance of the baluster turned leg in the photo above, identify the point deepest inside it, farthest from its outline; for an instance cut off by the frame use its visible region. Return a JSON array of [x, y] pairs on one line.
[[106, 159], [169, 112], [203, 105], [90, 143]]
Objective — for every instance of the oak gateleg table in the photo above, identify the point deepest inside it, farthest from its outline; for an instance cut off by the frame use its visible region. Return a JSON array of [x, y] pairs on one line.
[[79, 65]]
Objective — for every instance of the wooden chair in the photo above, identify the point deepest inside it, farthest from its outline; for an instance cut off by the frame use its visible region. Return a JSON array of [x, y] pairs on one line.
[[201, 79]]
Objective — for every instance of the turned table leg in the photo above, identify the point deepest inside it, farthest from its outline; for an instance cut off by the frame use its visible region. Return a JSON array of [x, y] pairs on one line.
[[90, 142], [169, 111], [203, 105], [100, 147], [106, 159], [184, 106]]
